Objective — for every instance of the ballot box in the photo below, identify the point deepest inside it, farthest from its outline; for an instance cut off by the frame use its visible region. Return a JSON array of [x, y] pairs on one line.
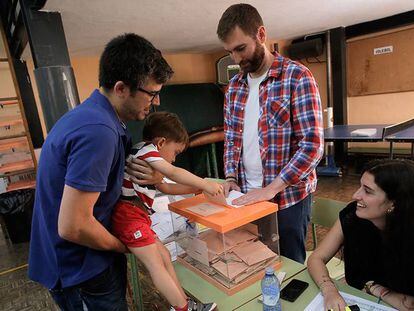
[[222, 243]]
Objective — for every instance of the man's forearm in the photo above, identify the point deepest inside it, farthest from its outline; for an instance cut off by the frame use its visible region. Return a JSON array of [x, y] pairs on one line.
[[277, 185], [77, 223], [92, 234]]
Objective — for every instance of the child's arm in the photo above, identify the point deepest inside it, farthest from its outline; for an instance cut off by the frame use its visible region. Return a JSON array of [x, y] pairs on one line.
[[184, 177], [169, 188]]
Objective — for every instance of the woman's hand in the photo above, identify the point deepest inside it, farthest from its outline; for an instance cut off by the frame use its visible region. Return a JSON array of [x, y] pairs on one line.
[[332, 299]]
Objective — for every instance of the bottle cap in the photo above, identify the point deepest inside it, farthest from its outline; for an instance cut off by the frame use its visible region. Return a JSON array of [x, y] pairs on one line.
[[270, 270]]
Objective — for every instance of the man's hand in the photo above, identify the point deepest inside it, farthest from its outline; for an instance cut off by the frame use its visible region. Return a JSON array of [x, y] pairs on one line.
[[228, 186], [77, 224], [255, 195], [142, 173], [263, 194], [123, 249]]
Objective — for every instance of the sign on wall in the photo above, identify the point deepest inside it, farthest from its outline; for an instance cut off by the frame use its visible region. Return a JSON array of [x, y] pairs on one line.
[[381, 64]]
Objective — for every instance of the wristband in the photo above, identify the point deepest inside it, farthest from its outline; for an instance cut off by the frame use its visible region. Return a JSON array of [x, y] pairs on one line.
[[368, 286], [385, 291]]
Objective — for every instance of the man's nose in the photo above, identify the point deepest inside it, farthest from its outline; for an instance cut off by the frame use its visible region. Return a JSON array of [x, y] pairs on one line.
[[236, 57]]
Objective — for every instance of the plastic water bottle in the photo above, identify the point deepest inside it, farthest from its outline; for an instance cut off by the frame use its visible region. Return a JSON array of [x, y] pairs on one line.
[[271, 291]]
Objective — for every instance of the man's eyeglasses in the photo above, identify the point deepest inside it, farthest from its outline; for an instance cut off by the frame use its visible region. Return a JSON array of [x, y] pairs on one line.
[[152, 94]]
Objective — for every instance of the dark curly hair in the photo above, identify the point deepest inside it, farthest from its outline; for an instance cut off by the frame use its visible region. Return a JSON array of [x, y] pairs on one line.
[[243, 15], [165, 124], [132, 59]]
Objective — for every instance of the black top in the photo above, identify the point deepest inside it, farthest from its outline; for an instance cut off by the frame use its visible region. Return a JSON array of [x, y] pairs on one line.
[[366, 257]]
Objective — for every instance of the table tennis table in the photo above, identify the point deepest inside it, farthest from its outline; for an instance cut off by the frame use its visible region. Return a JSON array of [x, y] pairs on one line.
[[402, 132]]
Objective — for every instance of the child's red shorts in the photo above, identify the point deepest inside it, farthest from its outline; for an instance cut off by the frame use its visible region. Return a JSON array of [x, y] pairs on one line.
[[131, 225]]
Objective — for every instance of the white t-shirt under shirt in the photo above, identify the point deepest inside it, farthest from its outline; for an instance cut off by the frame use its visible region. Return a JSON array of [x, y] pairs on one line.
[[251, 152]]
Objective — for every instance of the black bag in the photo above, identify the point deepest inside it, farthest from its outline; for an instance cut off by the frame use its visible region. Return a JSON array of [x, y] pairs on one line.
[[17, 209]]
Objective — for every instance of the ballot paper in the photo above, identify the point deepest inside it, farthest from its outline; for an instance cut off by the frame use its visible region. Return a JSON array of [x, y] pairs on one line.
[[253, 253], [230, 269], [233, 194], [363, 304], [368, 132], [222, 200], [160, 203], [166, 223], [162, 224]]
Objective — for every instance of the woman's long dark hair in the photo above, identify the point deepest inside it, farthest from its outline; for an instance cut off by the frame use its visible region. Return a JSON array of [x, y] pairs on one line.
[[396, 179]]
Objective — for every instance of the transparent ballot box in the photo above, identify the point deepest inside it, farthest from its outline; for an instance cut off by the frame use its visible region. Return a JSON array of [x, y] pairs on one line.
[[226, 245]]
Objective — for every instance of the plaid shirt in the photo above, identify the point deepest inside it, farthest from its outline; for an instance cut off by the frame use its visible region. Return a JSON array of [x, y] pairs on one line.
[[290, 129]]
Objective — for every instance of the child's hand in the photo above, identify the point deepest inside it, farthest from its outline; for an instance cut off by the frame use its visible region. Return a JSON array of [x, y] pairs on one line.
[[213, 188]]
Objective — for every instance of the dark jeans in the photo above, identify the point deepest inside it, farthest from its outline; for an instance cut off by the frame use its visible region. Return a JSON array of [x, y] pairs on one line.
[[293, 224], [106, 291]]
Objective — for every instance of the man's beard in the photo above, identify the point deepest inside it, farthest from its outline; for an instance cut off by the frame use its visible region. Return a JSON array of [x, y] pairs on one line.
[[254, 63]]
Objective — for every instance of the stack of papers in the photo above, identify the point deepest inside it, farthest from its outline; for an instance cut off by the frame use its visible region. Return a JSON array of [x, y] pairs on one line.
[[164, 222], [363, 304], [231, 257]]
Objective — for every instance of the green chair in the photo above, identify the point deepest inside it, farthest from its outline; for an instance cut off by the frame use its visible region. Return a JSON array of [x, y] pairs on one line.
[[137, 301], [324, 213]]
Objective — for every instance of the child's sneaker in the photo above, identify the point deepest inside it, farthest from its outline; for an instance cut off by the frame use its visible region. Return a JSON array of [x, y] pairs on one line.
[[198, 306]]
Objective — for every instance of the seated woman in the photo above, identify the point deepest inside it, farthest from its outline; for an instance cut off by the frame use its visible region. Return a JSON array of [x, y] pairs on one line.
[[376, 232]]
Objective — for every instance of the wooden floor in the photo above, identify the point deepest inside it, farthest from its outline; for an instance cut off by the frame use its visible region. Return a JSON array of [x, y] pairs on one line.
[[17, 292]]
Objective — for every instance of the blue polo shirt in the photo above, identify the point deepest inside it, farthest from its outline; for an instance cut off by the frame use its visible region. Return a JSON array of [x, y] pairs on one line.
[[85, 150]]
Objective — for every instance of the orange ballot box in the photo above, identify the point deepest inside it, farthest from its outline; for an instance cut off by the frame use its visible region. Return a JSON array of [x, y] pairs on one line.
[[222, 244]]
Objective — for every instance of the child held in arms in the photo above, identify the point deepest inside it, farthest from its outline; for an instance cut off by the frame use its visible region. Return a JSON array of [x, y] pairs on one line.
[[164, 138]]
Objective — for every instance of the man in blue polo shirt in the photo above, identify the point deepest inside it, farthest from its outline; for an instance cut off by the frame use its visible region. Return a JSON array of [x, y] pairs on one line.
[[72, 251]]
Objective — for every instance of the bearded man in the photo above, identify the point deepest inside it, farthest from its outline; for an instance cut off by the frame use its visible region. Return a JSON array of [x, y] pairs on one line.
[[273, 130]]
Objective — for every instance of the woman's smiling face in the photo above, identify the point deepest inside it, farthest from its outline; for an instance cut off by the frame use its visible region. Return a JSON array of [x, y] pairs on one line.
[[372, 202]]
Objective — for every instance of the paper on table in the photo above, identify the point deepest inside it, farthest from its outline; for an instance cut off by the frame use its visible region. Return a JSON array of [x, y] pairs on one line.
[[179, 222], [160, 203], [222, 200], [232, 196], [363, 304], [364, 132], [162, 224]]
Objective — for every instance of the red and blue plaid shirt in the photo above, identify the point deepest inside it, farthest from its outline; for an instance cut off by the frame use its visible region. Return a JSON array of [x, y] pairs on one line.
[[290, 129]]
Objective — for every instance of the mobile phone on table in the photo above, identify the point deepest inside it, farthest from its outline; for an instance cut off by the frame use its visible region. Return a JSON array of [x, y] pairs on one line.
[[293, 290]]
